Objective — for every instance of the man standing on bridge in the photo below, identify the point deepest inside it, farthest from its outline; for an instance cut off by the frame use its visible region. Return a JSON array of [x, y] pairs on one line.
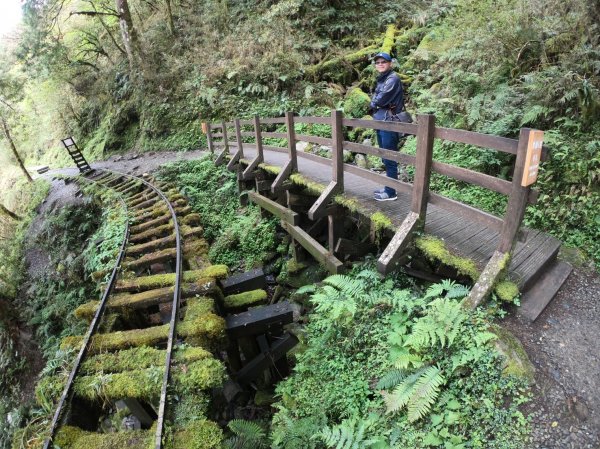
[[388, 99]]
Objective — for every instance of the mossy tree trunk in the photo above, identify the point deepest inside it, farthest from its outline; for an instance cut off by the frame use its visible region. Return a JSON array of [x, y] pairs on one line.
[[11, 143], [170, 18], [128, 33]]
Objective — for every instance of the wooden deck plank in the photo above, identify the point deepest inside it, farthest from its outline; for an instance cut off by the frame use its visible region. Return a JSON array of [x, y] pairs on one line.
[[525, 273]]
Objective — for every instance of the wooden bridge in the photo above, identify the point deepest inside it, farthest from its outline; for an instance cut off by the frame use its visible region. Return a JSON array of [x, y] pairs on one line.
[[493, 251]]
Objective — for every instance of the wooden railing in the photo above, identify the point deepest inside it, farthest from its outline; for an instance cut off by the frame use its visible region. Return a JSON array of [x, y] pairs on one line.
[[424, 165]]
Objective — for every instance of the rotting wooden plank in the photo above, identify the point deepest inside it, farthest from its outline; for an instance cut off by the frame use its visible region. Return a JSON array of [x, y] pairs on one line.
[[151, 233], [537, 298], [259, 320], [276, 209], [150, 224], [398, 244], [314, 248], [159, 243]]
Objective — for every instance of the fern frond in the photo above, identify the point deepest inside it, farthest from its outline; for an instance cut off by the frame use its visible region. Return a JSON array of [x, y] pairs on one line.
[[397, 399], [347, 286], [425, 392], [391, 379], [248, 435], [350, 434], [305, 289]]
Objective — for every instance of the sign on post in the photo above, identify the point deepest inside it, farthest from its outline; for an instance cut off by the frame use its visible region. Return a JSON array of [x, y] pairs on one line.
[[532, 160], [204, 127]]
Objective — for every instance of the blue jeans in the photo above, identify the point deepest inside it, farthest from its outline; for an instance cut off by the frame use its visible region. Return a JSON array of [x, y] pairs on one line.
[[389, 141]]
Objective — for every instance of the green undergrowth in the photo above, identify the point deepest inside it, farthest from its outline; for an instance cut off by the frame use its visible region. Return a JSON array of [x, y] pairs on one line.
[[23, 199], [384, 364], [238, 236]]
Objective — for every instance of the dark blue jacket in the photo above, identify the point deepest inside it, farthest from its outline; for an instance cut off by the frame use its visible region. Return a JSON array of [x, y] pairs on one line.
[[388, 92]]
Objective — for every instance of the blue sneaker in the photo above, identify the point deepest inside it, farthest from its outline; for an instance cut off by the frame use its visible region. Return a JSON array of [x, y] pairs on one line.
[[385, 197], [379, 191]]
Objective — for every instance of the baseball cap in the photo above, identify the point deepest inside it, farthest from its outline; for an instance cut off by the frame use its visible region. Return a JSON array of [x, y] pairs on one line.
[[383, 55]]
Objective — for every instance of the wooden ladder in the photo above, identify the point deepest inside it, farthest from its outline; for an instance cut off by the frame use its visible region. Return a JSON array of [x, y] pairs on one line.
[[76, 155]]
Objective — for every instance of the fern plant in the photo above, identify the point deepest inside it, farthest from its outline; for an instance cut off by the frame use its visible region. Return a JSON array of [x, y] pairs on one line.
[[441, 325], [247, 435], [350, 434], [417, 392]]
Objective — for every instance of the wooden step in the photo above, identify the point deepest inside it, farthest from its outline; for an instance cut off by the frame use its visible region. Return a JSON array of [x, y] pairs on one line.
[[535, 300]]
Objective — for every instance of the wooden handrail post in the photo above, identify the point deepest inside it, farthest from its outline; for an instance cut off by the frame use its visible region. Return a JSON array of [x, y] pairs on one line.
[[517, 201], [337, 153], [209, 140], [291, 138], [225, 140], [238, 137], [258, 136], [420, 193]]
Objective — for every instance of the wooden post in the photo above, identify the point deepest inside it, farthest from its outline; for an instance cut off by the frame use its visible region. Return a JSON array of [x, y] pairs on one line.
[[238, 137], [225, 139], [258, 136], [291, 138], [517, 201], [337, 152], [423, 161], [209, 140]]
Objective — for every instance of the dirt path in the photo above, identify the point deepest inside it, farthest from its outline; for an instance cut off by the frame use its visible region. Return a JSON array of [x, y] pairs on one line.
[[563, 346]]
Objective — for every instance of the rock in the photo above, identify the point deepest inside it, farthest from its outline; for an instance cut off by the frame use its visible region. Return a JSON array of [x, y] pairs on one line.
[[361, 161], [263, 398], [302, 146], [516, 360]]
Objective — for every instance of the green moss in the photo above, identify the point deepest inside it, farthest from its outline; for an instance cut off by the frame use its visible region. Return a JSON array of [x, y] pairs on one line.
[[506, 290], [436, 250], [198, 435], [184, 409], [198, 307], [517, 362], [294, 266], [388, 40], [144, 384], [205, 328], [356, 103], [312, 187], [138, 358], [351, 204], [192, 220], [379, 224], [272, 169], [245, 299], [165, 280]]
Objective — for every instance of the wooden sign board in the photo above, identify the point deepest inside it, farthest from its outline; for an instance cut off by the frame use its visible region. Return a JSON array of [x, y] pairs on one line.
[[204, 128], [532, 160]]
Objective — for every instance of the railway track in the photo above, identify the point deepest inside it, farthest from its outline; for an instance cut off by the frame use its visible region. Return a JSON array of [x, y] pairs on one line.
[[147, 352]]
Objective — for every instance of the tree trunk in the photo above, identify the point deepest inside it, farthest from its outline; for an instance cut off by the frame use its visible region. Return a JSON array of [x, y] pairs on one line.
[[170, 18], [9, 213], [14, 149], [128, 32]]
